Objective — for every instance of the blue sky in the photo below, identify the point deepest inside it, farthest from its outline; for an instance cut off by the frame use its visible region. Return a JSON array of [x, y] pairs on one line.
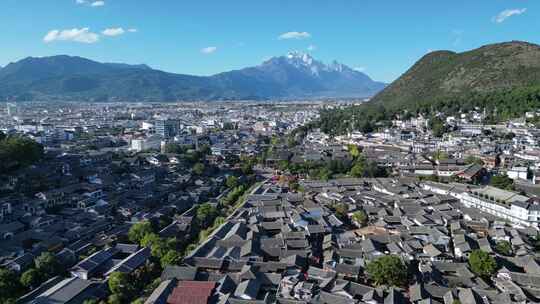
[[204, 37]]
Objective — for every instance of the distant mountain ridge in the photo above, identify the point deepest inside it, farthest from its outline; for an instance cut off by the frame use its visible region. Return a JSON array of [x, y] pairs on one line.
[[461, 77], [295, 75]]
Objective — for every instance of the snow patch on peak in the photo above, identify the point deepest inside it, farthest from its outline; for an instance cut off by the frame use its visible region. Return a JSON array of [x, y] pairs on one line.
[[336, 66], [307, 59], [299, 58], [305, 62]]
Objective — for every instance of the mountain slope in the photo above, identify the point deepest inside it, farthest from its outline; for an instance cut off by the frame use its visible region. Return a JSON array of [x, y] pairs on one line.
[[299, 75], [445, 74], [75, 78], [65, 77]]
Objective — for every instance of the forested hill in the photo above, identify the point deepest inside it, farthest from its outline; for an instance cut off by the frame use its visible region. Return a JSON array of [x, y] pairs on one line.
[[444, 74], [503, 78]]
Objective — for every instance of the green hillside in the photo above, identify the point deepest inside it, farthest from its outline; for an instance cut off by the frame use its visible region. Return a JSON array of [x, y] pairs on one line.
[[502, 78], [495, 68]]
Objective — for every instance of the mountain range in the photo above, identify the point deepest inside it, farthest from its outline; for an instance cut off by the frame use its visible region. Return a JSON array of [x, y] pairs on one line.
[[295, 75]]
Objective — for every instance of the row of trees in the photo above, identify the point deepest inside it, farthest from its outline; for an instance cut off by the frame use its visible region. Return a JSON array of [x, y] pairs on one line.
[[164, 250], [209, 217], [125, 288], [233, 195], [359, 167]]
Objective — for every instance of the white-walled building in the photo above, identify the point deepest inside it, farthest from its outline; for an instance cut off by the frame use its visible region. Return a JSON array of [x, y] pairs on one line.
[[516, 208], [517, 173], [143, 144]]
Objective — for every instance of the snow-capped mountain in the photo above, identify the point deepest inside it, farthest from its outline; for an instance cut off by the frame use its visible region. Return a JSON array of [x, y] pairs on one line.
[[298, 75], [304, 60]]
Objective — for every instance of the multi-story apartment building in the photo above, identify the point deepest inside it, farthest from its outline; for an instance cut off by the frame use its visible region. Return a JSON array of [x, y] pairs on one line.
[[516, 208], [167, 128]]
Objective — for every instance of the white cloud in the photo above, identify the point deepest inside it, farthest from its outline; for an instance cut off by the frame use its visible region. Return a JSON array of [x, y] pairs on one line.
[[112, 32], [294, 35], [312, 47], [360, 69], [502, 16], [209, 50], [83, 35], [132, 30], [97, 3]]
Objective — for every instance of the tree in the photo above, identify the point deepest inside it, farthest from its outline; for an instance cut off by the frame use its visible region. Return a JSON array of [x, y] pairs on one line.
[[115, 299], [354, 151], [206, 213], [509, 136], [9, 285], [173, 148], [482, 263], [2, 136], [47, 264], [388, 270], [504, 248], [90, 301], [18, 151], [360, 217], [473, 160], [219, 221], [502, 182], [437, 126], [31, 278], [341, 210], [323, 174], [198, 168], [294, 186], [247, 168], [138, 231], [159, 248], [365, 168], [170, 258], [149, 240], [373, 170], [121, 284], [366, 127], [358, 169], [190, 248], [205, 150], [172, 243], [231, 182]]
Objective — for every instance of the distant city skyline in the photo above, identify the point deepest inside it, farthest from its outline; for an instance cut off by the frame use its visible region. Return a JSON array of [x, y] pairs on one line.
[[382, 39]]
